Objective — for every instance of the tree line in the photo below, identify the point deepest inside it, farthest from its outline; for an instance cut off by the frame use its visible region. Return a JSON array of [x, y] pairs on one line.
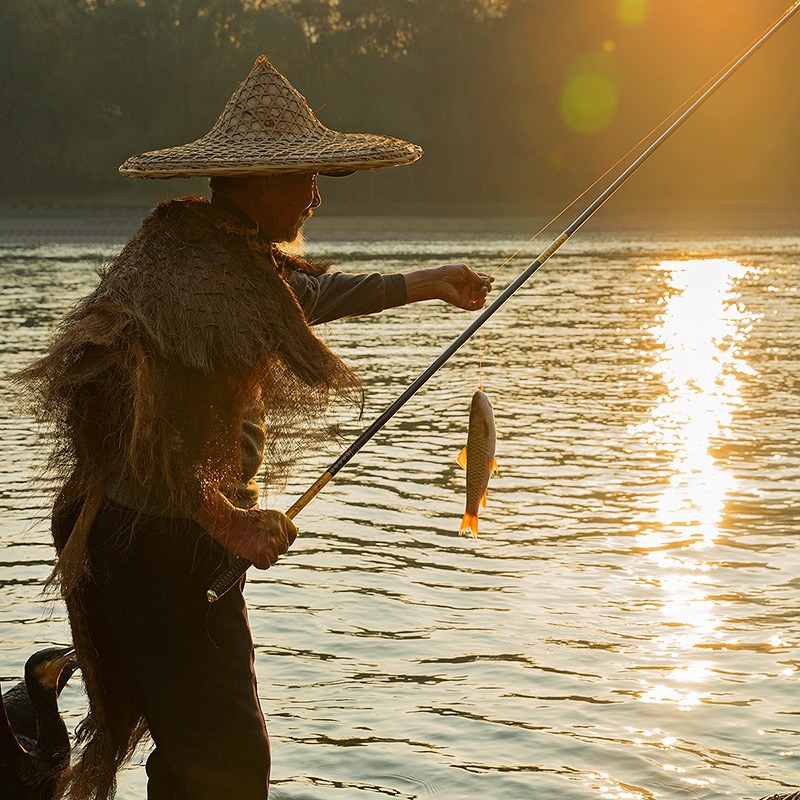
[[516, 102]]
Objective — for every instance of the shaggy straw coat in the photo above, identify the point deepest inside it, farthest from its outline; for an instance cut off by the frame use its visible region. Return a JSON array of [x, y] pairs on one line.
[[147, 380]]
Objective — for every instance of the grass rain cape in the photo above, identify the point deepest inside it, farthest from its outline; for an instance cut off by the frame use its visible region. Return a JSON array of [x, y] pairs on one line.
[[147, 381]]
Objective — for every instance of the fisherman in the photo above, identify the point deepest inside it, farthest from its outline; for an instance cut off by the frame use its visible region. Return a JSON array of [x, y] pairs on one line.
[[165, 388]]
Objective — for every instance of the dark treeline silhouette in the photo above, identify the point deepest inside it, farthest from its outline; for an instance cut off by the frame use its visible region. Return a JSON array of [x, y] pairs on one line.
[[516, 102]]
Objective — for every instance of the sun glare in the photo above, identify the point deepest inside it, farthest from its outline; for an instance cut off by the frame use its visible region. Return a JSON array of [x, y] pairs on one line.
[[699, 336], [700, 332]]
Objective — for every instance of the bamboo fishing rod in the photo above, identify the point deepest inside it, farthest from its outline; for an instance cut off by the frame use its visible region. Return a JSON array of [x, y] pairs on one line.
[[240, 565]]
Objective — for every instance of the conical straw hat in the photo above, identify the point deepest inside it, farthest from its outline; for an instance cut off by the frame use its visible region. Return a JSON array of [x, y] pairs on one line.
[[267, 127]]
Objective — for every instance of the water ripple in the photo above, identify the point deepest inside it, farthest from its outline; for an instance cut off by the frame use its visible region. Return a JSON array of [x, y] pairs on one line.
[[625, 624]]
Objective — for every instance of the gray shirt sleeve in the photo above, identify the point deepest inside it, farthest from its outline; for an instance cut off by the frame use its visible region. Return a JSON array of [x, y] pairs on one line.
[[335, 295]]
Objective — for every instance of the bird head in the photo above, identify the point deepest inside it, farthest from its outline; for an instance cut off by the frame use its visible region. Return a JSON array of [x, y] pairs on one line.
[[52, 667]]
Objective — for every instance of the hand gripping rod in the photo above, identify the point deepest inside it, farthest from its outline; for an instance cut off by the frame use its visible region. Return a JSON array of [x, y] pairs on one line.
[[240, 565]]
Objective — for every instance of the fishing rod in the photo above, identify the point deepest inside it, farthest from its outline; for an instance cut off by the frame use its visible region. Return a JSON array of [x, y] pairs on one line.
[[240, 565]]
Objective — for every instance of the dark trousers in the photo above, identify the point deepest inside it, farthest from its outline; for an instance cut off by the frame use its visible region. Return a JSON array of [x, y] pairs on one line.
[[190, 663]]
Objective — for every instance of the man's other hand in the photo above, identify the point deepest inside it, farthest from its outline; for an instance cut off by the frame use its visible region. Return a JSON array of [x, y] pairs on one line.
[[456, 284]]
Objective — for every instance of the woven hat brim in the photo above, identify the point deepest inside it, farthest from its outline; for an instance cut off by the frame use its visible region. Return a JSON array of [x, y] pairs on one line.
[[316, 152]]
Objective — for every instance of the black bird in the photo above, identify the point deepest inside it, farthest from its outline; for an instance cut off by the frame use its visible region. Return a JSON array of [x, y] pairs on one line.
[[31, 765], [19, 705]]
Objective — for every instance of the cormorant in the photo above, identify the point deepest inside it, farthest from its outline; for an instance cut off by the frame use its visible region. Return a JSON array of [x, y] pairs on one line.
[[31, 765], [19, 706]]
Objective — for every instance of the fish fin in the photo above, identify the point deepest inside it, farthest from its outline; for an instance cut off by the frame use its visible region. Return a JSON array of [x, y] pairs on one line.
[[483, 499], [494, 467], [462, 458], [469, 523]]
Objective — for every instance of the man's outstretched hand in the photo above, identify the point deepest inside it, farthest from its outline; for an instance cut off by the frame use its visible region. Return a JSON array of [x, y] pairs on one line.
[[456, 284], [259, 535]]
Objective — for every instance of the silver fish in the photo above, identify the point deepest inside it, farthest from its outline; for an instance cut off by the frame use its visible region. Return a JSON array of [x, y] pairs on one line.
[[477, 458]]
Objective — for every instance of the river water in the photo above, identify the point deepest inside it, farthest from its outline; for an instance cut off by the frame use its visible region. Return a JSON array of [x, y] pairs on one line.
[[625, 625]]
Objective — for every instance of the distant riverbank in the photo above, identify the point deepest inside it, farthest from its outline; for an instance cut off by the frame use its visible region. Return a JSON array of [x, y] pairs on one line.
[[109, 225]]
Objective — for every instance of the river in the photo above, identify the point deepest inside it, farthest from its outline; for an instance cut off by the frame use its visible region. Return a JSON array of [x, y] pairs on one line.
[[625, 625]]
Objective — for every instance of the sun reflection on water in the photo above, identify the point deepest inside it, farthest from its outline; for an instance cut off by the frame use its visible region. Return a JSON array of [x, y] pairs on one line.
[[700, 334]]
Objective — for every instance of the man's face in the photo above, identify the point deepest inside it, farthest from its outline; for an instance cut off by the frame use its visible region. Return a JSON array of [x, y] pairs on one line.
[[280, 204]]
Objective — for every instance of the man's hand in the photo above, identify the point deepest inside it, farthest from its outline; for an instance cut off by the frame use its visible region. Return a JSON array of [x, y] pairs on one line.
[[456, 284], [259, 535]]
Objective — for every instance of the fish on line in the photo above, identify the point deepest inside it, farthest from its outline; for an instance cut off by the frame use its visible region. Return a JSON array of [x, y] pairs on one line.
[[478, 459]]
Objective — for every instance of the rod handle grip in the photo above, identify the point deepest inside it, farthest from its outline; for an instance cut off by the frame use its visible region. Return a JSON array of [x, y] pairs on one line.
[[240, 565]]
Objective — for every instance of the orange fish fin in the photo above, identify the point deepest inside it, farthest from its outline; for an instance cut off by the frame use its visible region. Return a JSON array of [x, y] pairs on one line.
[[462, 458], [494, 467], [483, 499], [469, 523]]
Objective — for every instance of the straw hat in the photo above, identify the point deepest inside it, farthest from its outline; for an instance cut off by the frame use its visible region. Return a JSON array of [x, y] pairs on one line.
[[267, 127]]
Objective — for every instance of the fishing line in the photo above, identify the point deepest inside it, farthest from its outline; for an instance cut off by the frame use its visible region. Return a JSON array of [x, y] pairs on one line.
[[480, 361], [233, 573]]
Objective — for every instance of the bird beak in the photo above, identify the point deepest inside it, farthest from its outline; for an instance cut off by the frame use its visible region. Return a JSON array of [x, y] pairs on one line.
[[54, 666]]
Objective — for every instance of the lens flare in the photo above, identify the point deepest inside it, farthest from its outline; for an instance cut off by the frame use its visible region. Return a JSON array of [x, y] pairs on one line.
[[589, 102], [632, 12]]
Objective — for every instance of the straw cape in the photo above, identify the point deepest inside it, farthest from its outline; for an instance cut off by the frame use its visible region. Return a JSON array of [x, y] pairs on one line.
[[267, 127]]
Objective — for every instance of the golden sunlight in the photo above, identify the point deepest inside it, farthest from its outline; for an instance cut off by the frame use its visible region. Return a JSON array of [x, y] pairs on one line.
[[700, 333], [701, 330]]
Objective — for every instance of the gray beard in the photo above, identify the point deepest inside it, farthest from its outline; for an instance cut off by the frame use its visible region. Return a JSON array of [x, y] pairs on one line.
[[296, 246]]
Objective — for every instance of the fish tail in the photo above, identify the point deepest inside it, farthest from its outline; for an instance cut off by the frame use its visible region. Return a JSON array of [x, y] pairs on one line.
[[469, 523]]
